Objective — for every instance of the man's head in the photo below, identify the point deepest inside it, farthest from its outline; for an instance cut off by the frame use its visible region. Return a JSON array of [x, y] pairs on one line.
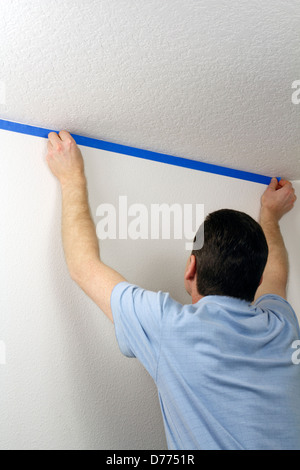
[[232, 259]]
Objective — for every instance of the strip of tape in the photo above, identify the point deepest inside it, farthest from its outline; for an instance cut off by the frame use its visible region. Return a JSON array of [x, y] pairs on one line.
[[139, 153]]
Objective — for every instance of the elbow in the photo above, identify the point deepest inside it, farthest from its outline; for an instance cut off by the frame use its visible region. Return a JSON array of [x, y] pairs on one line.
[[74, 274], [81, 273], [76, 271]]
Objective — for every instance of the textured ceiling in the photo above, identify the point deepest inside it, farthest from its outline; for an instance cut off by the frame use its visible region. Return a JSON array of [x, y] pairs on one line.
[[204, 79]]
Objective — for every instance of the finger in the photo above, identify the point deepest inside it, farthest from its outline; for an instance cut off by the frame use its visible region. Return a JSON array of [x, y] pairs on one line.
[[64, 135], [54, 138], [273, 184], [283, 183]]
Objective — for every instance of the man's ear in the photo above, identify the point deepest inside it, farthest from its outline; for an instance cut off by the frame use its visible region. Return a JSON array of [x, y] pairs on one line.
[[191, 268]]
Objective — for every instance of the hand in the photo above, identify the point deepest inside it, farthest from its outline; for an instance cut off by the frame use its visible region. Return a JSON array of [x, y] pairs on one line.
[[278, 199], [64, 157]]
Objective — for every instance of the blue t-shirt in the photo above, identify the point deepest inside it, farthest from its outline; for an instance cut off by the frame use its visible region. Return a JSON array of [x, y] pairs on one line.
[[223, 367]]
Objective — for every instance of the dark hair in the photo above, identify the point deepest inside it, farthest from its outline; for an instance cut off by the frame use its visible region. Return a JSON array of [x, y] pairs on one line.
[[233, 256]]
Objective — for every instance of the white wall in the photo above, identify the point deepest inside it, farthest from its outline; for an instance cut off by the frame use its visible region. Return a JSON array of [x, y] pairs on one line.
[[65, 384]]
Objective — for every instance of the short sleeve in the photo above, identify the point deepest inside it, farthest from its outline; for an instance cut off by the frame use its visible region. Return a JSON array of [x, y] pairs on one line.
[[137, 315], [278, 306]]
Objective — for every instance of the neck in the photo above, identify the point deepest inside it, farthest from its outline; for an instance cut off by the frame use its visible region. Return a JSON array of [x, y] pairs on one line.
[[196, 297]]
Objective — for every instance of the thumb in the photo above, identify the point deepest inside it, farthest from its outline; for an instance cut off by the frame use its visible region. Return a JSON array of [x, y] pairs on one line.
[[273, 184]]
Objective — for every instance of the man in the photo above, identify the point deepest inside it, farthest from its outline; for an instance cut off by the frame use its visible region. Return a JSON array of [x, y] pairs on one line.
[[222, 365]]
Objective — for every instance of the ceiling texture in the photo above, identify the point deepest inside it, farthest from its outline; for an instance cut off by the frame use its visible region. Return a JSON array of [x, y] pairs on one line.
[[209, 80]]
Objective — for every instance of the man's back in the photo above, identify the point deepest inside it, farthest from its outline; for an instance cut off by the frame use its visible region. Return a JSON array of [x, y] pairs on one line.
[[223, 368]]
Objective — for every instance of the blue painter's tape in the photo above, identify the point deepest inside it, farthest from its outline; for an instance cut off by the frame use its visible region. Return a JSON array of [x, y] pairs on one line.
[[139, 153]]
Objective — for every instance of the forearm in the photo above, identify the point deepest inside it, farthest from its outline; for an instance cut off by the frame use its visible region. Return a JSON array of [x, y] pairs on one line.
[[277, 263], [80, 241]]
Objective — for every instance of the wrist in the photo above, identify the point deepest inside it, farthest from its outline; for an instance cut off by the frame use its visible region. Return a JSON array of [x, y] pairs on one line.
[[268, 216], [76, 180]]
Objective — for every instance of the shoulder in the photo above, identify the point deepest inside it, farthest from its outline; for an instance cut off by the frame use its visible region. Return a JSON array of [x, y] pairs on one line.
[[278, 306]]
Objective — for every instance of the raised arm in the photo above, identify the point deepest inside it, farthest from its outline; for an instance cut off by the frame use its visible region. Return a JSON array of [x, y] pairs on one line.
[[80, 241], [277, 200]]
